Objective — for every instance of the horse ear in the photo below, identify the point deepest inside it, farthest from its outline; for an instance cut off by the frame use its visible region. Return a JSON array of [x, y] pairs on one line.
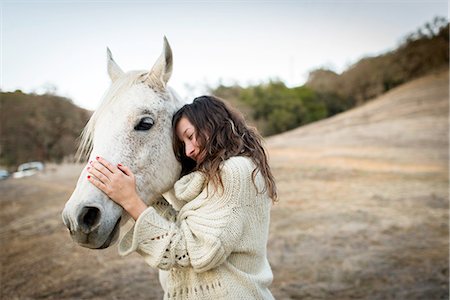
[[162, 69], [114, 70]]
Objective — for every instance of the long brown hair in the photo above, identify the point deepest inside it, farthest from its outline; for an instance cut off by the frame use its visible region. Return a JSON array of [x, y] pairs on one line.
[[221, 132]]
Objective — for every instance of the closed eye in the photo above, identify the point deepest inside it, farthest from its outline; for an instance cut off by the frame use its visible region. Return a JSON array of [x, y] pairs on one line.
[[144, 124]]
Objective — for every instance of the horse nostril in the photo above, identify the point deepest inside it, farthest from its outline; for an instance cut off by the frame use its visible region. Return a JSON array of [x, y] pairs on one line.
[[89, 218]]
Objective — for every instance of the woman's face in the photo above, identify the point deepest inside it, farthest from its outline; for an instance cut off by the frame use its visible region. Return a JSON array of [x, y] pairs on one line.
[[186, 132]]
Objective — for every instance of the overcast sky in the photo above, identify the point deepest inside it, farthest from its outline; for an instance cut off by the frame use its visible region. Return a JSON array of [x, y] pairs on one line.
[[63, 43]]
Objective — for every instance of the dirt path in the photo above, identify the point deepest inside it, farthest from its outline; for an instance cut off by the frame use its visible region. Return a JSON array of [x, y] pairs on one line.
[[363, 213]]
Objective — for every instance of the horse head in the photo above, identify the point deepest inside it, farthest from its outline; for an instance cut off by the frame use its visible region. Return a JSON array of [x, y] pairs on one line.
[[132, 126]]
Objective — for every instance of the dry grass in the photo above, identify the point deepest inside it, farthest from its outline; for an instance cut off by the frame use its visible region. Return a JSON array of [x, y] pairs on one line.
[[363, 213]]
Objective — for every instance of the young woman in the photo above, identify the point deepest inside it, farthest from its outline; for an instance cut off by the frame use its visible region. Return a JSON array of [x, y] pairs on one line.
[[212, 237]]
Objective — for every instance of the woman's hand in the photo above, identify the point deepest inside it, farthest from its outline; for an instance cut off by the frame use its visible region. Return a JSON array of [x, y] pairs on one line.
[[118, 183]]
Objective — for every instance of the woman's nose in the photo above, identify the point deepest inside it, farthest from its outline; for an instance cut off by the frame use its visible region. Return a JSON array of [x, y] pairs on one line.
[[189, 150]]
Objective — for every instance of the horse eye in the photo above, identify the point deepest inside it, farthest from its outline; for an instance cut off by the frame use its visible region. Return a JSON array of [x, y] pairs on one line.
[[144, 124]]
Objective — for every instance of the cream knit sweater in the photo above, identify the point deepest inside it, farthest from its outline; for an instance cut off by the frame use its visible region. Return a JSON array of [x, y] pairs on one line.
[[213, 244]]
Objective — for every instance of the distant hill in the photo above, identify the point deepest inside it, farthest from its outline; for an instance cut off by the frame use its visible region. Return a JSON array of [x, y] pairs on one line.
[[38, 127], [411, 116]]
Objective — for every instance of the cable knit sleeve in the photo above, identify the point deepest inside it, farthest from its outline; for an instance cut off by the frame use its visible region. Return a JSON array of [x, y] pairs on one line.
[[206, 229]]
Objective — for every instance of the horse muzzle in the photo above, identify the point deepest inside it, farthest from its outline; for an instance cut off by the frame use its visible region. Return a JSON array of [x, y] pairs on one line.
[[93, 225]]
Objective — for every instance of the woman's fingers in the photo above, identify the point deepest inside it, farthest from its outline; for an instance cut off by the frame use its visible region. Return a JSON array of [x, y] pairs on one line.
[[99, 175], [125, 169], [97, 183], [104, 167], [106, 164]]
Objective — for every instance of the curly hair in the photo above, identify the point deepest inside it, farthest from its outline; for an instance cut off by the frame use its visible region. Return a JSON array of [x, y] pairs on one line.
[[221, 132]]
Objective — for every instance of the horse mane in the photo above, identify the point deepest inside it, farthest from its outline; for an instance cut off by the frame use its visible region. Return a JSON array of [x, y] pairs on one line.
[[110, 97]]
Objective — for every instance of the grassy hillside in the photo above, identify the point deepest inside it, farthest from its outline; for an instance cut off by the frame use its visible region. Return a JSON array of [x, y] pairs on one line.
[[364, 200]]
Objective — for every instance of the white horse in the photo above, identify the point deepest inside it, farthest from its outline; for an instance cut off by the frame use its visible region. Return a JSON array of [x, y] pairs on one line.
[[132, 126]]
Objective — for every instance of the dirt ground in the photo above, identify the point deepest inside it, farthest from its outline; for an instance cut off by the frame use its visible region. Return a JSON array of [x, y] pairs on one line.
[[363, 213]]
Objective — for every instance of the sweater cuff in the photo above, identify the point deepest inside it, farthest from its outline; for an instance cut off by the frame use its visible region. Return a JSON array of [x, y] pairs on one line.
[[149, 236]]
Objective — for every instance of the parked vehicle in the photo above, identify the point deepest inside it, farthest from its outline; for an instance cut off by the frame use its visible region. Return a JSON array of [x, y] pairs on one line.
[[28, 169], [34, 165], [4, 174]]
